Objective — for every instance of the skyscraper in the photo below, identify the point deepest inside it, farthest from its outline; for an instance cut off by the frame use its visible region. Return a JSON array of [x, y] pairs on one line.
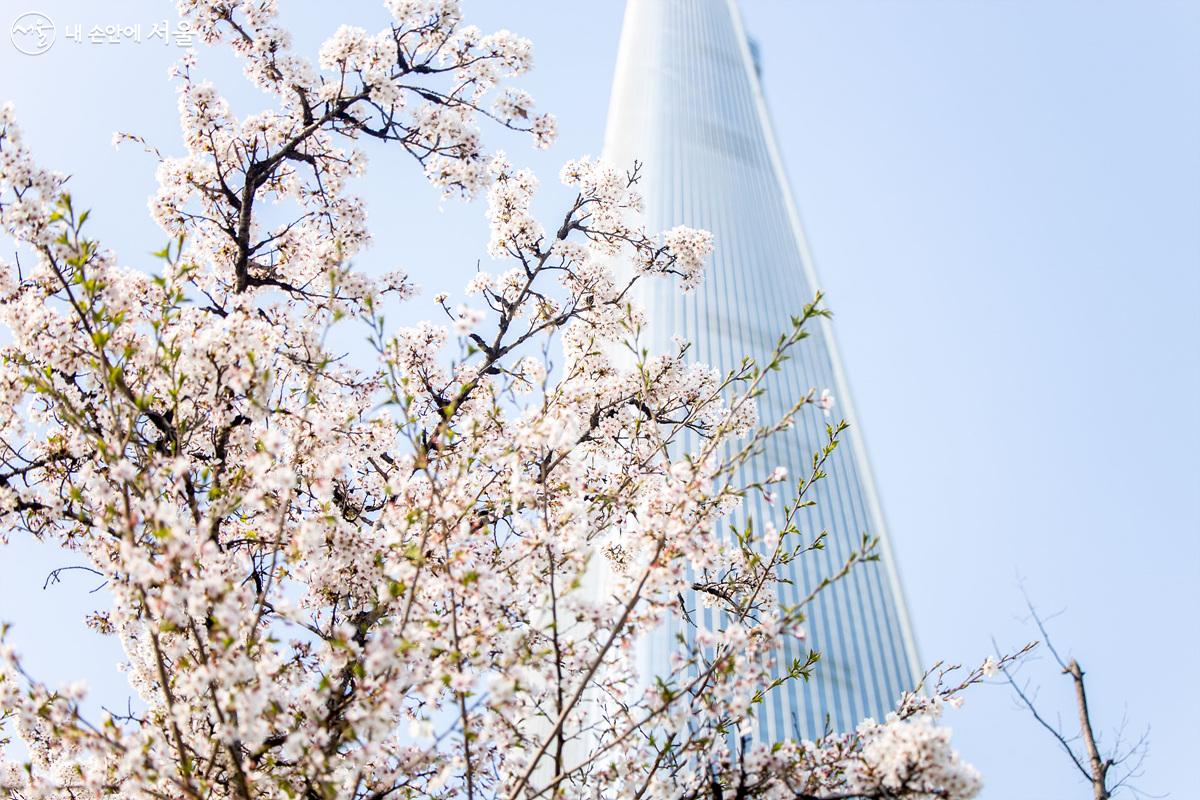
[[687, 102]]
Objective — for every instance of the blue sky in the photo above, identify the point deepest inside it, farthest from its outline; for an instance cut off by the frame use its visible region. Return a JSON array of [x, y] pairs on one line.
[[1003, 200]]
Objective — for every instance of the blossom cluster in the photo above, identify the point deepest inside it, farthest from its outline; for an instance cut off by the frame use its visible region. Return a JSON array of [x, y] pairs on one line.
[[423, 82]]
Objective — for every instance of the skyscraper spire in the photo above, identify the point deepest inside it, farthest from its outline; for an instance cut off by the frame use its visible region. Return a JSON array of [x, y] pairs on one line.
[[687, 103]]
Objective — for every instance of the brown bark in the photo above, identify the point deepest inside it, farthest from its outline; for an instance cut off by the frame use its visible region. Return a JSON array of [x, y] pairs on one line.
[[1097, 765]]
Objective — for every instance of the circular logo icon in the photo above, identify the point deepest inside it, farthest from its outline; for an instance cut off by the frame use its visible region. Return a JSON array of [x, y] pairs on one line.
[[32, 33]]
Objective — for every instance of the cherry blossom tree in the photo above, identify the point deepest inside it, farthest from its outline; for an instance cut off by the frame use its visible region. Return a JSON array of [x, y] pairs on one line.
[[424, 578]]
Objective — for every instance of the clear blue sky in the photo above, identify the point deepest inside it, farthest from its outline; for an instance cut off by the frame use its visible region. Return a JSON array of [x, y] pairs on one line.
[[1003, 199]]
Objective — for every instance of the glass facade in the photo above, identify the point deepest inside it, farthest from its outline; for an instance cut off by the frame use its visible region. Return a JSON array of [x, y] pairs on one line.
[[688, 104]]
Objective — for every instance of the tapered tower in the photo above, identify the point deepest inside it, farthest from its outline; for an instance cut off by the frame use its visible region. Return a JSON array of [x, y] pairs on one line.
[[687, 102]]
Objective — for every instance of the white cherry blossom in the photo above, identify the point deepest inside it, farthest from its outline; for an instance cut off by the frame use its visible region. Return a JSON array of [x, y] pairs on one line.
[[424, 578]]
